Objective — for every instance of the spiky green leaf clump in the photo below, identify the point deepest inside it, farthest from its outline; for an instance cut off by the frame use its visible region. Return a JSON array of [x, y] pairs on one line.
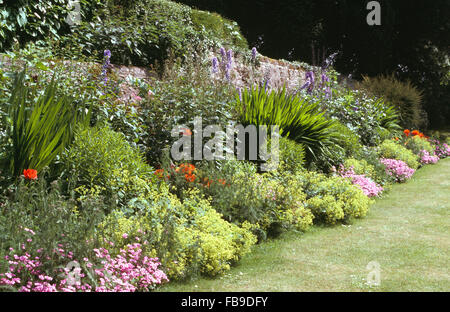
[[40, 125], [297, 118]]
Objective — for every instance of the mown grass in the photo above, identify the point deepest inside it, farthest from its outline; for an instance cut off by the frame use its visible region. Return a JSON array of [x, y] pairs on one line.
[[407, 232]]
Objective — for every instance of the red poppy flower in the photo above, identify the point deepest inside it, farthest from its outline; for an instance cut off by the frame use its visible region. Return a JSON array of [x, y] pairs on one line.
[[30, 174]]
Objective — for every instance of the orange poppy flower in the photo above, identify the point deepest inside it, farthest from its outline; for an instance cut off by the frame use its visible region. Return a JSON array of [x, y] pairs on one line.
[[406, 132], [415, 132], [30, 174], [189, 177], [187, 131], [187, 168]]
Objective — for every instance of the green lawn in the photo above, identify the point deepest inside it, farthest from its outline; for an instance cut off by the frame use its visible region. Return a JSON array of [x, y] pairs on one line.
[[407, 232]]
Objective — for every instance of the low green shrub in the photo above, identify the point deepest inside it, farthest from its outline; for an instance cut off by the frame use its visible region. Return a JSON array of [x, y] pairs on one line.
[[101, 157], [332, 199], [189, 237], [38, 215], [367, 116], [225, 31], [292, 155], [391, 150], [417, 144], [361, 167], [346, 145], [182, 94], [243, 196]]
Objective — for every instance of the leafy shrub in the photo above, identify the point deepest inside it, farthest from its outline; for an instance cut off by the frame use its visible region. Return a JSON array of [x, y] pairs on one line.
[[297, 119], [102, 157], [292, 155], [148, 32], [346, 145], [187, 236], [332, 199], [182, 94], [403, 95], [417, 144], [218, 27], [368, 117], [26, 20], [38, 219], [243, 196], [392, 150], [361, 167]]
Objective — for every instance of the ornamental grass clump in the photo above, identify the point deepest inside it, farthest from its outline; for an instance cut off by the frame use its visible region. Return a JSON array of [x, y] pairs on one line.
[[397, 169]]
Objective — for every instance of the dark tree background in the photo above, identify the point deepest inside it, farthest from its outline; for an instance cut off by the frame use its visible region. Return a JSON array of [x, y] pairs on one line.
[[413, 40]]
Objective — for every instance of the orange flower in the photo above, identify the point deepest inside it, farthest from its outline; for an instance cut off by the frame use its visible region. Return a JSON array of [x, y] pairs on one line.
[[189, 177], [30, 174], [415, 132], [396, 139], [222, 181], [159, 173], [421, 134], [187, 168], [406, 132], [187, 131]]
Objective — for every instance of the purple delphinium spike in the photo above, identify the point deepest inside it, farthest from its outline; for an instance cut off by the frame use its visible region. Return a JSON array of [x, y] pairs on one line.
[[230, 56], [215, 64], [254, 54], [106, 63], [240, 93], [223, 55], [227, 71], [324, 84], [309, 84]]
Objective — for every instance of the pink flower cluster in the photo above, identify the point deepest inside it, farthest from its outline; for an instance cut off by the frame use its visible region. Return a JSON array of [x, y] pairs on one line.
[[129, 271], [442, 150], [397, 169], [366, 184], [426, 158]]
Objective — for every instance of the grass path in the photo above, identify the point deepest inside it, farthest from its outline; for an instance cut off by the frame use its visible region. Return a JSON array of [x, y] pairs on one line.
[[407, 232]]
